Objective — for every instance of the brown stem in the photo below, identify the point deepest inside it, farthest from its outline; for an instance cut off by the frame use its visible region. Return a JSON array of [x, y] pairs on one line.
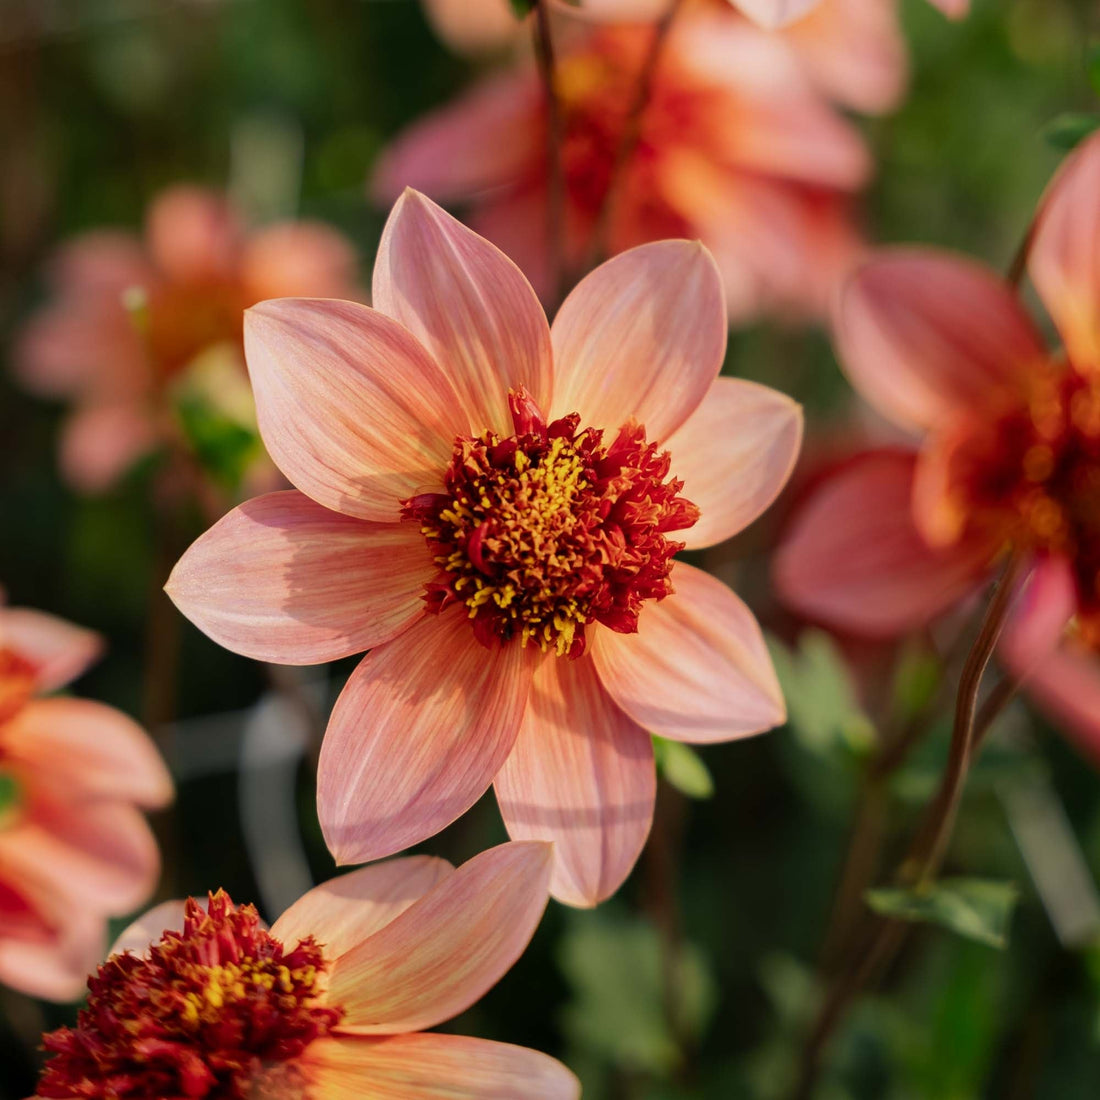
[[555, 139], [885, 936], [632, 131]]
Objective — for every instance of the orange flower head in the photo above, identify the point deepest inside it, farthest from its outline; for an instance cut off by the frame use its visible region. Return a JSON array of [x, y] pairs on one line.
[[547, 530], [220, 1010]]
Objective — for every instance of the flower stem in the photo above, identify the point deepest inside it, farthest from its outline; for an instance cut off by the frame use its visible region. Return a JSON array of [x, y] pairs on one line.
[[555, 138]]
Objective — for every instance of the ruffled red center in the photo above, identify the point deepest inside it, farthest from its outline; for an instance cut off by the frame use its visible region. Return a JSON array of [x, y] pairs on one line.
[[221, 1011], [1032, 476], [545, 531]]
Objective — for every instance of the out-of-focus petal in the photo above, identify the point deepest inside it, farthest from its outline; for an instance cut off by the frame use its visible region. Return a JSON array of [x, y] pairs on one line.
[[194, 235], [282, 579], [147, 930], [1065, 254], [445, 951], [90, 750], [54, 965], [924, 335], [416, 737], [1046, 604], [344, 911], [436, 1067], [1066, 686], [582, 775], [734, 455], [642, 336], [953, 9], [474, 26], [352, 409], [59, 651], [697, 670], [101, 442], [101, 262], [855, 560], [298, 260], [469, 305], [775, 13]]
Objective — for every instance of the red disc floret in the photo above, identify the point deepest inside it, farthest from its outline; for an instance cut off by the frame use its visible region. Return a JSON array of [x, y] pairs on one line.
[[548, 530], [220, 1011]]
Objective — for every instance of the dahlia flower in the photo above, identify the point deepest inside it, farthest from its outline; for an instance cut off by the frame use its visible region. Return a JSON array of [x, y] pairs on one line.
[[736, 148], [190, 278], [492, 506], [200, 1000], [1010, 455], [74, 847]]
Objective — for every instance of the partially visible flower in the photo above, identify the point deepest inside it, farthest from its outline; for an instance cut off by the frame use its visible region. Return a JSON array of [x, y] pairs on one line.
[[129, 317], [736, 148], [74, 847], [1010, 456], [331, 1004], [492, 507]]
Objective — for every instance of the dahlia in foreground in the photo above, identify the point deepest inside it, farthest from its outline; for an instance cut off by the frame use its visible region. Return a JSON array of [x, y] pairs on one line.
[[1010, 458], [493, 507], [74, 847], [187, 283], [327, 1005]]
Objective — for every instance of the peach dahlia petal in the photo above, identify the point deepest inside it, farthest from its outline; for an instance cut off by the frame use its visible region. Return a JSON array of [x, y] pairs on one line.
[[297, 259], [102, 439], [194, 234], [436, 1067], [734, 454], [416, 736], [582, 775], [51, 955], [697, 670], [58, 650], [350, 406], [775, 13], [924, 334], [468, 304], [642, 336], [448, 948], [281, 578]]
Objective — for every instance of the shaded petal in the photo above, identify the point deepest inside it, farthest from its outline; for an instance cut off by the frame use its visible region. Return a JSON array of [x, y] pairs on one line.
[[148, 929], [449, 948], [350, 406], [469, 305], [775, 13], [1065, 253], [54, 964], [582, 775], [280, 578], [416, 737], [299, 260], [91, 750], [854, 558], [734, 455], [436, 1067], [194, 234], [344, 911], [1066, 686], [924, 335], [473, 27], [101, 441], [642, 336], [1036, 627], [698, 669], [59, 651]]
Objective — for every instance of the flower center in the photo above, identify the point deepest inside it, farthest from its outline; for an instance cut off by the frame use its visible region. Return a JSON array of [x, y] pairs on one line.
[[220, 1011], [546, 531], [17, 683], [1033, 477]]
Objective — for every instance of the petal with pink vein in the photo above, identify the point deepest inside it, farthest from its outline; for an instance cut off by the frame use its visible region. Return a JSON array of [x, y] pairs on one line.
[[469, 305], [642, 336], [734, 455], [446, 950], [416, 737], [282, 579], [350, 406], [582, 775], [698, 669]]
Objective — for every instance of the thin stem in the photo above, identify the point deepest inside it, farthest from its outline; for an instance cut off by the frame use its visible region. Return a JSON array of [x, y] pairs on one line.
[[632, 131], [555, 139]]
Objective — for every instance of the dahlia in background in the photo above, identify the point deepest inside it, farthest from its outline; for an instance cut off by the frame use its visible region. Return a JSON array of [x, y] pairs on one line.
[[736, 148], [135, 323], [1009, 461], [200, 1000], [74, 846], [492, 506]]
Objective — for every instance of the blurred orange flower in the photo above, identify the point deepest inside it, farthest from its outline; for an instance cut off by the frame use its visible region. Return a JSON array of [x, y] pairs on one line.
[[74, 847], [736, 148], [129, 318]]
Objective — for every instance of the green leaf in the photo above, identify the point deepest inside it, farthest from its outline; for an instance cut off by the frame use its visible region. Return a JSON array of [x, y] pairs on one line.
[[682, 766], [1069, 129], [223, 446], [975, 908], [522, 8], [1093, 68], [916, 678], [11, 794]]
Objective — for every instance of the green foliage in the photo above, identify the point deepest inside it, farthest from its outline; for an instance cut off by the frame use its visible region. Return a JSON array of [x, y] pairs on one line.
[[11, 794], [975, 908], [522, 8], [683, 767], [1070, 129], [916, 679]]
